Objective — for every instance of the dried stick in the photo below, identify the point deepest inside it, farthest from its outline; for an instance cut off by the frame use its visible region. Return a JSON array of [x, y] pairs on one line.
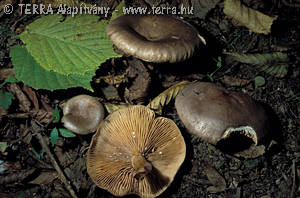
[[61, 175]]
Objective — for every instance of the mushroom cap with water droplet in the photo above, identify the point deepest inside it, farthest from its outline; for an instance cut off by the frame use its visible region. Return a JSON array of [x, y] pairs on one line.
[[82, 114], [133, 152], [154, 38]]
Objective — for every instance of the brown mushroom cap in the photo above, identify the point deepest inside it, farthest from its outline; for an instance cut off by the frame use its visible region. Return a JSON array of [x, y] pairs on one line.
[[212, 113], [154, 38], [82, 114], [135, 153]]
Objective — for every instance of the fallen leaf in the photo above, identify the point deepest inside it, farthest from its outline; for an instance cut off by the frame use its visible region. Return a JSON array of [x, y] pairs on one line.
[[5, 72], [112, 107], [45, 177], [22, 98], [110, 93], [252, 152], [275, 63], [250, 18], [201, 8], [32, 96], [113, 79], [234, 81], [138, 91], [218, 182], [166, 96]]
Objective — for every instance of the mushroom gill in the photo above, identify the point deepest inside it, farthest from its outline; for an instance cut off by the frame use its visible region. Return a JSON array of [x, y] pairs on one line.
[[133, 152]]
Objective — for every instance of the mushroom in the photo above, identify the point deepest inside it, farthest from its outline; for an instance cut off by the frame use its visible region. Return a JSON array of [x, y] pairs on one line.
[[133, 152], [213, 113], [154, 38], [82, 114]]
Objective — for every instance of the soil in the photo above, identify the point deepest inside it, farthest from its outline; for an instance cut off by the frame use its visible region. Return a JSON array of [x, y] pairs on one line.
[[27, 171]]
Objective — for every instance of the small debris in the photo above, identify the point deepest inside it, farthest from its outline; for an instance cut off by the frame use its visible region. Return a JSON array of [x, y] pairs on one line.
[[23, 100], [218, 182], [234, 81]]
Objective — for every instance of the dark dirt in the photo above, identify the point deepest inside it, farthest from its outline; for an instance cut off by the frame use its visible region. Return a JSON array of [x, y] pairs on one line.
[[26, 172]]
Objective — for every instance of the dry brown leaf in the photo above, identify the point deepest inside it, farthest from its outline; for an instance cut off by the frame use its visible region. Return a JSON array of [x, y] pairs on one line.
[[252, 152], [113, 79], [5, 72], [218, 182], [138, 90], [32, 96], [45, 177], [166, 96], [250, 18], [234, 81], [110, 93], [22, 98], [112, 107], [5, 2], [18, 176]]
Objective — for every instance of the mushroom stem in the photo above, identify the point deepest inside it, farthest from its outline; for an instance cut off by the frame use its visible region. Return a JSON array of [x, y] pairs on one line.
[[140, 164]]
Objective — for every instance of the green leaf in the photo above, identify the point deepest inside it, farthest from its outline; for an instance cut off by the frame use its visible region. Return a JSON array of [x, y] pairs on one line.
[[275, 63], [118, 10], [66, 133], [3, 146], [9, 79], [55, 115], [31, 73], [54, 136], [219, 62], [259, 81], [75, 45], [38, 155], [5, 99]]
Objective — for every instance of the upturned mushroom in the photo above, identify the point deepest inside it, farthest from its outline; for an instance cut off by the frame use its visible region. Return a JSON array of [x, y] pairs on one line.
[[82, 114], [154, 38], [133, 152], [213, 113]]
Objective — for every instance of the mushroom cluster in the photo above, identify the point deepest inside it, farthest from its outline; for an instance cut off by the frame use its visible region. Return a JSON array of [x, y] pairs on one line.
[[154, 38], [133, 152], [213, 113]]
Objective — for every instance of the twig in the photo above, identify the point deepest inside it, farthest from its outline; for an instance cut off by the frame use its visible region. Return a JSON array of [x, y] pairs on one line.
[[61, 175], [293, 5], [294, 179]]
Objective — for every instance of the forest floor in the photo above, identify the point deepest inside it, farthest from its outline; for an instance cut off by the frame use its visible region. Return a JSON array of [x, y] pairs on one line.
[[25, 171]]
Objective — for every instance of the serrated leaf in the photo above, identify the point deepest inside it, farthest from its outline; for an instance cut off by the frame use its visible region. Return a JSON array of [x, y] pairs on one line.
[[274, 64], [31, 73], [56, 115], [5, 99], [250, 18], [54, 136], [166, 96], [75, 45], [66, 133]]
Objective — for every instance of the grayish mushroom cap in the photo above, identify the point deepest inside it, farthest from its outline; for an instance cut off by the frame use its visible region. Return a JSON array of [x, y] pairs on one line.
[[82, 114], [212, 113], [154, 38]]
